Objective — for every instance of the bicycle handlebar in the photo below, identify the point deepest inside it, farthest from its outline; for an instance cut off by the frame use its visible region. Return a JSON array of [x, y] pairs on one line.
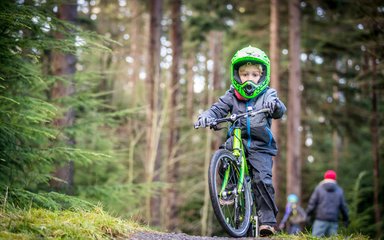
[[233, 118]]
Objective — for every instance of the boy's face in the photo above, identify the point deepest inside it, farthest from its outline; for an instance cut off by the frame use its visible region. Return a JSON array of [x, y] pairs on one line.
[[249, 72]]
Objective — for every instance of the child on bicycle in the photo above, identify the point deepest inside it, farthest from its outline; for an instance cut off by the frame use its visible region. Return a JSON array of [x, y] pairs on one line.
[[250, 77]]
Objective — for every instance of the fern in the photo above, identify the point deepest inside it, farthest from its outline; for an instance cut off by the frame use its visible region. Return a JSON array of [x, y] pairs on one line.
[[359, 218]]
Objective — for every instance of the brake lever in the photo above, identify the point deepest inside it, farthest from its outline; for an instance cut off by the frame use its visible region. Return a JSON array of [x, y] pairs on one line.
[[219, 128], [215, 127]]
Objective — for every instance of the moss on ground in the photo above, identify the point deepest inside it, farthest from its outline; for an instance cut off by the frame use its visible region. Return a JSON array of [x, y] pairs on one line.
[[36, 223], [45, 224]]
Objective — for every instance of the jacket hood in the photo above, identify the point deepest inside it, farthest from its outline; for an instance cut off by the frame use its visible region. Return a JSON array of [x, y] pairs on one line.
[[329, 185]]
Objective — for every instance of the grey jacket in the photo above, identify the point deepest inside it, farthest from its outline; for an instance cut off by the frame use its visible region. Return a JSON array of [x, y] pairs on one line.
[[327, 201], [256, 130]]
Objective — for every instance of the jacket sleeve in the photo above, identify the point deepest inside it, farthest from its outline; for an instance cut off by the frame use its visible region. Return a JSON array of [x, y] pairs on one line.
[[344, 208], [288, 211], [221, 108], [312, 202], [302, 213], [280, 107]]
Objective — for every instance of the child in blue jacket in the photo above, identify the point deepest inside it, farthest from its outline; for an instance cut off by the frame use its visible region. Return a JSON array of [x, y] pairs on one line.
[[294, 216]]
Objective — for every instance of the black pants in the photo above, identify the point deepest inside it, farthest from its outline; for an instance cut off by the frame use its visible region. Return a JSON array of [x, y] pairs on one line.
[[262, 187], [264, 193]]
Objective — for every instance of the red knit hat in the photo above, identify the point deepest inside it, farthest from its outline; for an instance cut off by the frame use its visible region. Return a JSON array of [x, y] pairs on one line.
[[330, 174]]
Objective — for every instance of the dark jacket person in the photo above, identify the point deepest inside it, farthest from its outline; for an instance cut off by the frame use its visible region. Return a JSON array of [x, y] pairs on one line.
[[326, 202]]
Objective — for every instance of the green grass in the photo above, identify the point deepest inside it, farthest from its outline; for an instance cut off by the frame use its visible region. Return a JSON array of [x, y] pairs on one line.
[[38, 223], [308, 236], [46, 224]]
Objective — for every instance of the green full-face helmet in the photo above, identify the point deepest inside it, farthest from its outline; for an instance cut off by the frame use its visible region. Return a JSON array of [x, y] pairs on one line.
[[252, 55]]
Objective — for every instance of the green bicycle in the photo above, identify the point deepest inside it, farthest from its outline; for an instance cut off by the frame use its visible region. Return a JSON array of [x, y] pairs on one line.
[[230, 182]]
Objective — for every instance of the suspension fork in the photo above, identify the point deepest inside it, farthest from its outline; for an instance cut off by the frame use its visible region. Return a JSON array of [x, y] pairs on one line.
[[225, 180], [238, 152]]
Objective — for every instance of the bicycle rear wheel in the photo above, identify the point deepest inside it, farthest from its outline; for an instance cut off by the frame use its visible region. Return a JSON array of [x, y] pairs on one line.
[[232, 208]]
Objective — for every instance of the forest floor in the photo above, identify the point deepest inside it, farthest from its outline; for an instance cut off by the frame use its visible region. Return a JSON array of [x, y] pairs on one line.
[[150, 235], [97, 224], [177, 236]]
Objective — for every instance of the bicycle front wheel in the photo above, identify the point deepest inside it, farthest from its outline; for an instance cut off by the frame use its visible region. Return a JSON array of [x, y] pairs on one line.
[[231, 207]]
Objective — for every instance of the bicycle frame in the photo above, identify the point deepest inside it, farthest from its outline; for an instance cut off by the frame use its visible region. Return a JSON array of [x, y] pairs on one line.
[[241, 193], [238, 152]]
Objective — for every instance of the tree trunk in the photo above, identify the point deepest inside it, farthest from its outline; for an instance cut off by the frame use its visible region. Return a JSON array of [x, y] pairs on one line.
[[375, 146], [206, 101], [275, 67], [336, 147], [137, 26], [190, 83], [216, 48], [64, 65], [153, 79], [208, 146], [294, 102], [135, 48], [171, 202]]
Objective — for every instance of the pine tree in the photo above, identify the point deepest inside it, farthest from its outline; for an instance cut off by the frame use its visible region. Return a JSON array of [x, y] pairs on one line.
[[30, 141]]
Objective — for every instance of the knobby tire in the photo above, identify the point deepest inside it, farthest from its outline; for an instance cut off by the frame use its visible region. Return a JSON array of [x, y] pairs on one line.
[[235, 221]]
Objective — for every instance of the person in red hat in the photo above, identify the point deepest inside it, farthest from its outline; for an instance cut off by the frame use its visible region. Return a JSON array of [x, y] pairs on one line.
[[326, 202]]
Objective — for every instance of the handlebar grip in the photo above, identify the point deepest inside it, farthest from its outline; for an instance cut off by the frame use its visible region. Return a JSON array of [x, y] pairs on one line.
[[234, 117]]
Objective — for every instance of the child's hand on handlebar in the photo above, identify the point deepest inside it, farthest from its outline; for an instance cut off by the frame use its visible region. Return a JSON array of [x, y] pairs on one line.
[[204, 122], [271, 105]]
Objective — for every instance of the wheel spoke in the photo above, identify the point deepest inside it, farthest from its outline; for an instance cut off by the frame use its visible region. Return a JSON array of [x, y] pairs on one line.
[[233, 214]]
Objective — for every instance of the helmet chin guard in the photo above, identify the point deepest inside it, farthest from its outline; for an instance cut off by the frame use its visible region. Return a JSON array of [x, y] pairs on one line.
[[249, 89]]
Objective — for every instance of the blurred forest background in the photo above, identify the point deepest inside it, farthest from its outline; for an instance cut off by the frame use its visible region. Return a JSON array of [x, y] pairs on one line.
[[98, 100]]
